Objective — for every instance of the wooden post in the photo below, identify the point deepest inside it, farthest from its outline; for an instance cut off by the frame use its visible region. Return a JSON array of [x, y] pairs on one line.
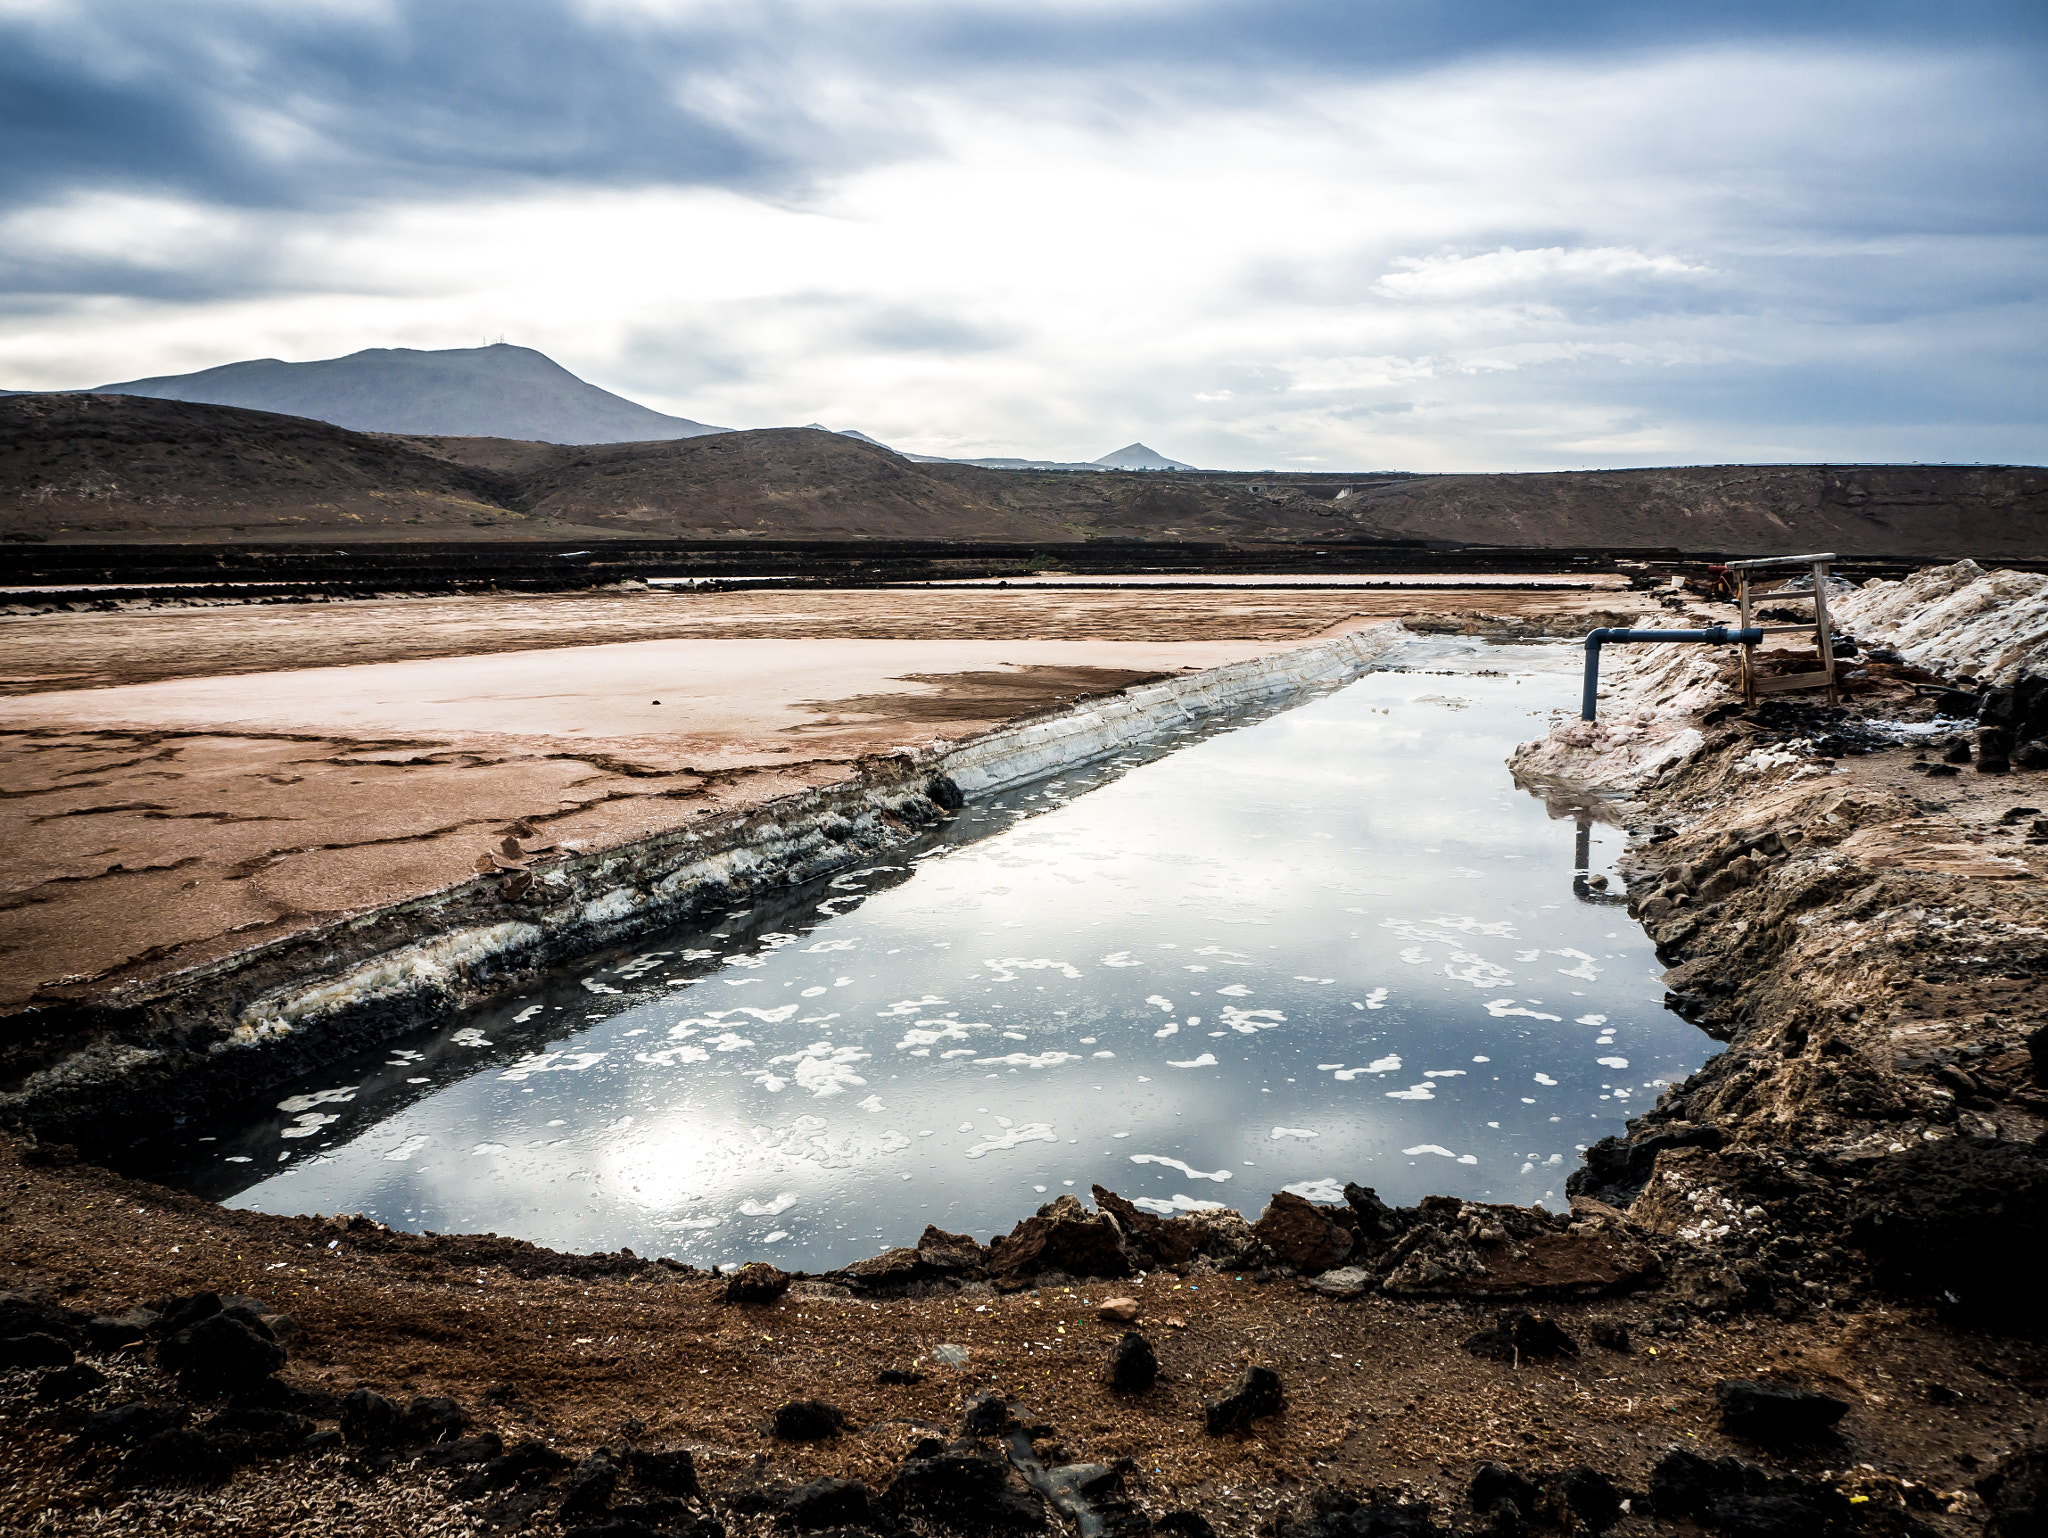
[[1748, 649], [1823, 636]]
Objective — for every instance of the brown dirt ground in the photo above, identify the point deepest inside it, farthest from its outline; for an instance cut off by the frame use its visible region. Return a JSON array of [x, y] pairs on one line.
[[1379, 1393]]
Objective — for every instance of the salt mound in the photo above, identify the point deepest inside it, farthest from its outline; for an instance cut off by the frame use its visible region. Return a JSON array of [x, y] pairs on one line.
[[1956, 619]]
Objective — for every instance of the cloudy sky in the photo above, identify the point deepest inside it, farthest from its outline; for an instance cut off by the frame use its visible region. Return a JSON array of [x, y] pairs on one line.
[[1293, 233]]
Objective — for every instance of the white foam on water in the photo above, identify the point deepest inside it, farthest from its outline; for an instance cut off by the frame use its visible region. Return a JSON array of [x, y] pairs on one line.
[[1206, 1060], [1612, 1062], [1028, 1060], [1438, 1148], [668, 1057], [1234, 991], [821, 1068], [728, 1041], [1377, 999], [929, 1033], [597, 987], [828, 945], [1177, 1203], [909, 1006], [776, 1237], [339, 1096], [487, 1148], [1247, 1021], [1585, 968], [691, 1222], [1544, 1078], [811, 993], [784, 1200], [1186, 1169], [1009, 968], [551, 1062], [1500, 1009], [1281, 1132], [1414, 955], [1592, 1020], [1102, 1054], [892, 1142], [1323, 1193], [1423, 1091], [1120, 959], [1482, 1059], [1467, 967], [409, 1147], [1012, 1137], [1443, 1073]]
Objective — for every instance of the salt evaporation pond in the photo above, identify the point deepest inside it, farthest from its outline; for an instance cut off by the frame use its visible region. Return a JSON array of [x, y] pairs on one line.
[[1333, 944]]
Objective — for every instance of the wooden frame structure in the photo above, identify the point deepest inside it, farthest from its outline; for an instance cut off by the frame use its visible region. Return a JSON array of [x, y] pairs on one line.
[[1823, 635]]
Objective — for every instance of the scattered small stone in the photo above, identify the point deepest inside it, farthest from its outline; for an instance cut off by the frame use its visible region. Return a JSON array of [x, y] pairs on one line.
[[529, 1462], [672, 1473], [1183, 1524], [2015, 1493], [590, 1486], [899, 1377], [1256, 1393], [463, 1452], [1495, 1483], [433, 1419], [130, 1422], [105, 1334], [1776, 1412], [1517, 1334], [808, 1420], [987, 1415], [1344, 1282], [222, 1352], [1133, 1364], [1592, 1497], [1608, 1333], [1118, 1310], [177, 1457]]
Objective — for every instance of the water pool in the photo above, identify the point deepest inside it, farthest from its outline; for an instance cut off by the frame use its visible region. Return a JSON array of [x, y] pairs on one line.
[[1333, 944]]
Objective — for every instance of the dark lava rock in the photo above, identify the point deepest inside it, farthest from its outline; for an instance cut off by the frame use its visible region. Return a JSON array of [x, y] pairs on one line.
[[1608, 1334], [1517, 1334], [219, 1353], [1495, 1483], [1256, 1393], [463, 1452], [175, 1313], [828, 1503], [181, 1457], [2037, 1053], [1183, 1524], [1063, 1236], [756, 1282], [950, 1252], [67, 1383], [432, 1419], [129, 1422], [368, 1419], [35, 1350], [1380, 1514], [672, 1473], [49, 1155], [590, 1486], [1768, 1516], [1775, 1412], [528, 1463], [945, 793], [952, 1483], [1150, 1240], [1957, 751], [324, 1442], [271, 1427], [808, 1420], [273, 1394], [987, 1415], [2015, 1495], [1301, 1233], [1740, 1500], [105, 1333], [30, 1313], [1592, 1497], [898, 1377], [1956, 1219], [1133, 1364]]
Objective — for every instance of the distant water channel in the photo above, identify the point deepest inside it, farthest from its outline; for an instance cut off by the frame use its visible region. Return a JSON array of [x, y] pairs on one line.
[[1332, 944]]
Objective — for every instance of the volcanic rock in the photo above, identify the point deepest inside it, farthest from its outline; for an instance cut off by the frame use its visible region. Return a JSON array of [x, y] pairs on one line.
[[1516, 1334], [1256, 1393], [672, 1473], [756, 1282], [1133, 1364], [827, 1503], [1775, 1412], [68, 1383], [1063, 1236], [808, 1420], [179, 1457], [2015, 1494], [590, 1486], [220, 1353], [34, 1350], [1957, 1218], [368, 1419], [1301, 1233]]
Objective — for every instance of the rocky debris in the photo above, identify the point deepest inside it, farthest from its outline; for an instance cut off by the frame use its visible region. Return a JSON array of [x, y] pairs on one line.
[[1256, 1393], [1741, 1500], [121, 1424], [1062, 1236], [899, 1377], [808, 1420], [987, 1415], [368, 1419], [106, 1333], [224, 1351], [461, 1453], [528, 1464], [180, 1456], [828, 1502], [1578, 1499], [68, 1383], [1516, 1334], [1608, 1333], [1118, 1310], [1133, 1364], [1183, 1524], [590, 1486], [1344, 1282], [964, 1487], [34, 1350], [1344, 1514], [1948, 1218], [938, 1257], [432, 1419], [756, 1282], [2015, 1493], [24, 1314], [1300, 1233], [1773, 1413], [672, 1472]]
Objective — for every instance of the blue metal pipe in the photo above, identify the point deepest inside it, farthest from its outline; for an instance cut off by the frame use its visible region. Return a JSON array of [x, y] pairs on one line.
[[1714, 635]]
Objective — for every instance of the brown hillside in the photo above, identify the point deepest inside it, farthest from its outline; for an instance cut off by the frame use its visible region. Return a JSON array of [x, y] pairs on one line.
[[88, 468]]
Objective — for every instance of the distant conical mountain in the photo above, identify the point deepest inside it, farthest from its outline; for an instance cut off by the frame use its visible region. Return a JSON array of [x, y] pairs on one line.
[[468, 392], [1135, 456]]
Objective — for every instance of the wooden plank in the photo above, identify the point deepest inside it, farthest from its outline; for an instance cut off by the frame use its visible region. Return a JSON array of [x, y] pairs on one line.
[[1787, 683], [1779, 560]]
